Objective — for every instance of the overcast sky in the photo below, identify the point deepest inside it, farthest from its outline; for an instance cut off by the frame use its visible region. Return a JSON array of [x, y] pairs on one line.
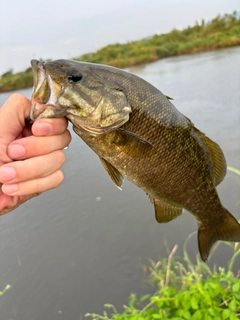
[[64, 29]]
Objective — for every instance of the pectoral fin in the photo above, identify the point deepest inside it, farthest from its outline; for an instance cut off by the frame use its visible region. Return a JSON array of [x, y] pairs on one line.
[[114, 174], [132, 144], [133, 137], [165, 212]]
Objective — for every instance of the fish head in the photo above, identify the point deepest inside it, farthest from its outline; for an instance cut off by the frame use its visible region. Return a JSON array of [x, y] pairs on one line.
[[81, 92]]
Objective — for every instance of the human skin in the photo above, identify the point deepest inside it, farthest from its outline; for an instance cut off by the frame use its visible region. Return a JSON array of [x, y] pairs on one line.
[[31, 157]]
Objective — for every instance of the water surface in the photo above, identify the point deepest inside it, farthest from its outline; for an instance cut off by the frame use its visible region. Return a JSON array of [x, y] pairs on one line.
[[73, 249]]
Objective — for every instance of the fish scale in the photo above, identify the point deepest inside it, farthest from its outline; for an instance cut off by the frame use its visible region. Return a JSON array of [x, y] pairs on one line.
[[140, 135]]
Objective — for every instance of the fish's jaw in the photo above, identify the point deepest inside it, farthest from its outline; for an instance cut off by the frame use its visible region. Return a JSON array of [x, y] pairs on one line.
[[45, 94]]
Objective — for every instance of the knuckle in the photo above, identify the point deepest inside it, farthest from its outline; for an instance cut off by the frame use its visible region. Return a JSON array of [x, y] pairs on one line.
[[17, 96], [59, 124], [60, 177], [68, 136], [61, 157], [58, 158]]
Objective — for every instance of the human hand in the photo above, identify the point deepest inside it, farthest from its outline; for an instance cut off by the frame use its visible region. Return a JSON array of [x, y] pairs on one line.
[[30, 156]]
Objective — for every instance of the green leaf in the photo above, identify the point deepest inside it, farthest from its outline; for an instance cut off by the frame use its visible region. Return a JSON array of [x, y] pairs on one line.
[[236, 287], [194, 303], [187, 315], [197, 315], [225, 314], [232, 304], [233, 316]]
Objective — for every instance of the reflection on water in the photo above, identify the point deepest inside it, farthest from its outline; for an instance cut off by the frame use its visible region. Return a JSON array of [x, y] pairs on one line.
[[73, 249]]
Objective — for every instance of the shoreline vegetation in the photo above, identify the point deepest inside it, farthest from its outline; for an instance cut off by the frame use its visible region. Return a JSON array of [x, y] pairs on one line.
[[221, 32], [184, 290]]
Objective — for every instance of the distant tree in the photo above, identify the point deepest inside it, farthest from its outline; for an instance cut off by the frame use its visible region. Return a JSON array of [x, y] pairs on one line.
[[9, 72]]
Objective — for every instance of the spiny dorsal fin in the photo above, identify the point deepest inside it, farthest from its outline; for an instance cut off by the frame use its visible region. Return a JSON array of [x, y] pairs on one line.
[[228, 230], [114, 174], [165, 212]]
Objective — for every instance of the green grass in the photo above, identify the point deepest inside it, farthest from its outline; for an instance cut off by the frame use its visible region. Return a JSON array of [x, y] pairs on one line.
[[221, 32]]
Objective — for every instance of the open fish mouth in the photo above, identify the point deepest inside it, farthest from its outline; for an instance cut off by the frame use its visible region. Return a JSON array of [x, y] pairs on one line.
[[45, 94]]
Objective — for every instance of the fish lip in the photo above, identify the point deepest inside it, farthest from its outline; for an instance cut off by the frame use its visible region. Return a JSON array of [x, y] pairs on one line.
[[43, 82], [39, 75]]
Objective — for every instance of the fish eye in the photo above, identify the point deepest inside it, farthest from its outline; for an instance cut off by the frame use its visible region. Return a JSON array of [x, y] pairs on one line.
[[74, 76]]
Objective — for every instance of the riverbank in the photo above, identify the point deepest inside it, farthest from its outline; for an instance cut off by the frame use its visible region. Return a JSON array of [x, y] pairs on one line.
[[221, 32]]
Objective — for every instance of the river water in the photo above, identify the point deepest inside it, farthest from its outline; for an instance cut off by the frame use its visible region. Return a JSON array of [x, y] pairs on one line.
[[73, 249]]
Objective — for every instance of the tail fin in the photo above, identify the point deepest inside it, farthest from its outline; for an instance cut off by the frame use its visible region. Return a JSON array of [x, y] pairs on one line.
[[228, 230]]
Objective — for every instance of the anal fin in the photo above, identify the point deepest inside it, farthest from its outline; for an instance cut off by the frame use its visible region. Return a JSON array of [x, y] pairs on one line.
[[114, 174], [165, 212]]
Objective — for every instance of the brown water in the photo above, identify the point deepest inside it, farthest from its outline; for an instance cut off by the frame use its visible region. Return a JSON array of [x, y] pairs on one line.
[[73, 249]]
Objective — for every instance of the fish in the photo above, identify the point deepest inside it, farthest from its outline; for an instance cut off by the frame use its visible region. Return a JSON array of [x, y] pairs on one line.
[[139, 135]]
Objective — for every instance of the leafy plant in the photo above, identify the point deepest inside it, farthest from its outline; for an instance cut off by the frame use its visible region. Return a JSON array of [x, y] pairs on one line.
[[184, 291]]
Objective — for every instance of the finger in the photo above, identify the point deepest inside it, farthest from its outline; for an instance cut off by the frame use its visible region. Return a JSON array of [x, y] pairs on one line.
[[34, 186], [43, 127], [36, 167], [36, 146], [12, 117]]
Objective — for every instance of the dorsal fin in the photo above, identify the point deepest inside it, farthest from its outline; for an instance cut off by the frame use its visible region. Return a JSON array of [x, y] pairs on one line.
[[216, 157], [169, 98], [218, 160]]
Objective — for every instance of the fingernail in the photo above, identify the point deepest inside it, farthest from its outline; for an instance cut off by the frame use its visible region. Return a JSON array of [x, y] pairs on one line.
[[16, 151], [7, 174], [9, 188], [42, 128]]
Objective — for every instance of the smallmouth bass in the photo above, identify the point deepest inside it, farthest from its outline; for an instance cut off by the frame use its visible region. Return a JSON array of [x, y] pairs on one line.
[[138, 134]]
